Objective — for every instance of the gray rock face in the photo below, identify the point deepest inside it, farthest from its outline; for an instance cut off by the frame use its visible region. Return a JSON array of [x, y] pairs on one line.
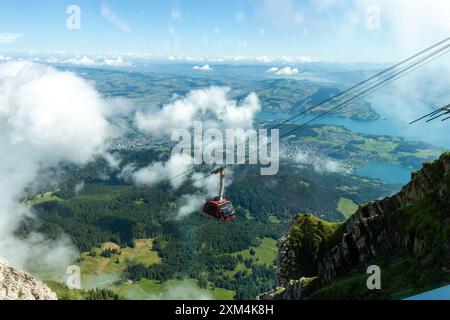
[[282, 259], [372, 230], [18, 285]]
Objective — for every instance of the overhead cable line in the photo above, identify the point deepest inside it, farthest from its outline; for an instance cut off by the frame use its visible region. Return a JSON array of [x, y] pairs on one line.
[[439, 113], [360, 93]]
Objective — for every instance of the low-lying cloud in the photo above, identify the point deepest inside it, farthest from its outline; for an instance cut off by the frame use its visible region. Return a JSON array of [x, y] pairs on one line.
[[214, 101], [207, 188], [158, 172], [205, 67], [286, 71], [321, 164], [46, 117], [86, 61]]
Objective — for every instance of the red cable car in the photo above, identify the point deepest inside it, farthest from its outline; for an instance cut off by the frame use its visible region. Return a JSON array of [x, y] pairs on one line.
[[219, 207]]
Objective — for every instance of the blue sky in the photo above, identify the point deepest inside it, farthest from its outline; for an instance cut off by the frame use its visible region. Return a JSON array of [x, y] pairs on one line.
[[331, 30]]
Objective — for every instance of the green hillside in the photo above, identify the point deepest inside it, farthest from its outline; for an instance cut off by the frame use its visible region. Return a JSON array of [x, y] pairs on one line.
[[406, 235]]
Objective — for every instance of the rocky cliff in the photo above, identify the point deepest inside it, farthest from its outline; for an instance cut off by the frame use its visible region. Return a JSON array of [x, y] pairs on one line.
[[18, 285], [407, 235]]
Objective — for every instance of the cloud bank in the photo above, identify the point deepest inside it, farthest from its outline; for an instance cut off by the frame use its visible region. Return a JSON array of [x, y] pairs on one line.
[[206, 67], [286, 71], [181, 113], [86, 61], [46, 117]]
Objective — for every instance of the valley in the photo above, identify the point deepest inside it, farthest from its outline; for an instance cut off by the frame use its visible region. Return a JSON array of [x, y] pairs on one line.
[[235, 151], [133, 246]]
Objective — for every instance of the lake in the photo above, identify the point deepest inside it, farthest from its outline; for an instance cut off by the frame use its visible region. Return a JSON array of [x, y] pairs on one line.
[[396, 114], [385, 172], [389, 173]]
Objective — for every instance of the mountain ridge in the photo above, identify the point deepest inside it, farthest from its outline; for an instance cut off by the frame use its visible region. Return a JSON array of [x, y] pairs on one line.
[[408, 234]]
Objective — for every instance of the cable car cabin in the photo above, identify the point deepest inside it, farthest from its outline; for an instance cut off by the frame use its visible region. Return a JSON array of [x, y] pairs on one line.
[[220, 209]]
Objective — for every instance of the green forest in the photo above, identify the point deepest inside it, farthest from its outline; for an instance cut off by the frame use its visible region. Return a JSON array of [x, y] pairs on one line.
[[197, 247]]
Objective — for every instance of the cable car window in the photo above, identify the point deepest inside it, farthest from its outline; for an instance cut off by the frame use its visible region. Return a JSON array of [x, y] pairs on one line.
[[211, 208], [227, 209]]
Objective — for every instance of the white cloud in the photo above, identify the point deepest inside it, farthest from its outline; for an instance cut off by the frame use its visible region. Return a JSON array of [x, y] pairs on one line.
[[44, 107], [112, 18], [208, 188], [205, 67], [159, 171], [272, 70], [117, 62], [52, 60], [321, 164], [180, 114], [46, 117], [3, 58], [8, 38], [287, 71], [82, 61], [113, 62], [430, 22], [188, 204], [347, 23], [264, 59]]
